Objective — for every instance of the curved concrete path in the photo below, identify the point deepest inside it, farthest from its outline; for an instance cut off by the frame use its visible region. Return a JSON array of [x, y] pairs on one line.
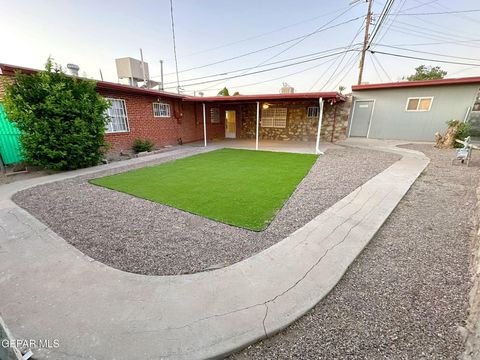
[[50, 290]]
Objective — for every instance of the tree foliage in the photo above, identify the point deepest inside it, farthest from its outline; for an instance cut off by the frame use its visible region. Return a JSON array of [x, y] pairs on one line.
[[424, 72], [223, 92], [61, 118]]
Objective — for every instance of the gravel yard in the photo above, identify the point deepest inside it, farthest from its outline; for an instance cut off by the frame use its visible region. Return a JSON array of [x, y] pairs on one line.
[[406, 295], [144, 237]]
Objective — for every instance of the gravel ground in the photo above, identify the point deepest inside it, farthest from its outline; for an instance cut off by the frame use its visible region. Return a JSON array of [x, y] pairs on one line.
[[406, 295], [140, 236]]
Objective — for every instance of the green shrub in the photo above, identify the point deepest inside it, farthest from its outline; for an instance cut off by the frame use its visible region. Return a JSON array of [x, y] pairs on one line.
[[463, 130], [141, 145], [61, 118]]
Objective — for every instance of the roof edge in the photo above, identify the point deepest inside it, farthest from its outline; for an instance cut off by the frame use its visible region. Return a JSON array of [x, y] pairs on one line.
[[419, 83]]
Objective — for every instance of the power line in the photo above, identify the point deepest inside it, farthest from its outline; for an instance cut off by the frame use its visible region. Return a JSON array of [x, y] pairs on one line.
[[261, 34], [265, 70], [317, 30], [392, 21], [340, 62], [267, 64], [442, 33], [381, 67], [352, 65], [174, 46], [283, 76], [375, 68], [383, 16], [263, 49], [437, 43], [420, 58], [437, 13], [427, 35], [422, 4], [430, 53]]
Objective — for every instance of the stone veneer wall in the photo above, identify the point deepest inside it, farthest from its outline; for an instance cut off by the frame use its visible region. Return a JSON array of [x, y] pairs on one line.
[[299, 126]]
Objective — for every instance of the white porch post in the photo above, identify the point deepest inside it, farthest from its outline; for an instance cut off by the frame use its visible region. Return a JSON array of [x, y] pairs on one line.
[[258, 122], [204, 126], [320, 118]]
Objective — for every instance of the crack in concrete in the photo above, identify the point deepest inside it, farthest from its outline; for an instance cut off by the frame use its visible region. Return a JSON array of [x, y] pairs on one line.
[[264, 319], [343, 222], [10, 212], [265, 303]]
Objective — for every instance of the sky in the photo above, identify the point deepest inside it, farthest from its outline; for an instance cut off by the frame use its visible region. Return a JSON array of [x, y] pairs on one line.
[[92, 34]]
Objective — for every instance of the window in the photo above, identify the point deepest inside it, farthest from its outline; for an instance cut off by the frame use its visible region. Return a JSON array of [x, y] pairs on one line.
[[215, 115], [313, 112], [118, 116], [161, 110], [274, 117], [419, 104]]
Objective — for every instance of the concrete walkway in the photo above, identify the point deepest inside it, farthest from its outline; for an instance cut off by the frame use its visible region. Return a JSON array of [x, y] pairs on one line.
[[50, 290]]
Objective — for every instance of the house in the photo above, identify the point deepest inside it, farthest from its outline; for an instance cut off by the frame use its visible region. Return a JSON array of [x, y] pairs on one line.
[[167, 118], [414, 110]]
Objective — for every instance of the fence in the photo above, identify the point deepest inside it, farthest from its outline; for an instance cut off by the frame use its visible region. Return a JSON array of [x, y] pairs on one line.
[[10, 150]]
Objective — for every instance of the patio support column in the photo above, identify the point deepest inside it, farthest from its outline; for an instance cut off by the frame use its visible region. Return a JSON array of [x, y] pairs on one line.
[[204, 126], [258, 122], [320, 118]]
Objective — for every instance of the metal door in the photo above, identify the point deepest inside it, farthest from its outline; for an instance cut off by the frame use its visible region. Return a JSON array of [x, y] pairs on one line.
[[361, 117]]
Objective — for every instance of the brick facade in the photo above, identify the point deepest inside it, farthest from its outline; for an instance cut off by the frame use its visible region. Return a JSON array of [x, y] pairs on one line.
[[185, 123]]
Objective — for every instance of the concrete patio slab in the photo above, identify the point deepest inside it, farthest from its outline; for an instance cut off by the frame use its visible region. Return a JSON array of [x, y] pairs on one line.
[[50, 290], [303, 147]]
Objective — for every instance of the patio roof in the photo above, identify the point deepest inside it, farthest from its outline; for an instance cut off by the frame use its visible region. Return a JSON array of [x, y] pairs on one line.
[[7, 69], [335, 96]]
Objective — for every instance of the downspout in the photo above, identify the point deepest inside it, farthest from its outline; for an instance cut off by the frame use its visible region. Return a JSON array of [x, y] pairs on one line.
[[334, 120], [256, 128], [320, 119], [204, 126]]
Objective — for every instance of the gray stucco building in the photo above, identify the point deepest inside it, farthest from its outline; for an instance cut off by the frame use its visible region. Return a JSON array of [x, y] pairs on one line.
[[414, 110]]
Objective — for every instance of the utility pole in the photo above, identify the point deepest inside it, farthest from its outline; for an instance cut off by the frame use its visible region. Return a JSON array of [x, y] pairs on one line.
[[161, 74], [365, 41]]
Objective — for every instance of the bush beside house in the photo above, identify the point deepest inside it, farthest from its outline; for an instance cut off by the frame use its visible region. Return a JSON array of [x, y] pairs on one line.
[[61, 118]]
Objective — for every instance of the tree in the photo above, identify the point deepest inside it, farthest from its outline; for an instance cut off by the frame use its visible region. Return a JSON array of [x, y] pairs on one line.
[[61, 118], [223, 92], [236, 93], [424, 72]]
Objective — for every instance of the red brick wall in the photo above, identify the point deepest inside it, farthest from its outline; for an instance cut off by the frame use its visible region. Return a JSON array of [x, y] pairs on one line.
[[185, 122]]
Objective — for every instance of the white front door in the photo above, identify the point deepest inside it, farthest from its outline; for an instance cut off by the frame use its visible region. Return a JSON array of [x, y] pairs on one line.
[[230, 124]]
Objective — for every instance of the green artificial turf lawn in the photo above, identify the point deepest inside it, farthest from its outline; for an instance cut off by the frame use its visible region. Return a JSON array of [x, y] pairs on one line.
[[238, 187]]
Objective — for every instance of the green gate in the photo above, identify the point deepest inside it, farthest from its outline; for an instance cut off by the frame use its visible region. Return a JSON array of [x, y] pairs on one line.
[[9, 140]]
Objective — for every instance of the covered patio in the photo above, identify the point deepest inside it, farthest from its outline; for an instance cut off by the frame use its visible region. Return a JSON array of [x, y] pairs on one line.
[[301, 122]]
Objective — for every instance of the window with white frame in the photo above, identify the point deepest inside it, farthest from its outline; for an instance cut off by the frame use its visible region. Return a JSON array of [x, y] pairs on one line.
[[313, 112], [215, 115], [274, 117], [419, 103], [161, 109], [117, 112]]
